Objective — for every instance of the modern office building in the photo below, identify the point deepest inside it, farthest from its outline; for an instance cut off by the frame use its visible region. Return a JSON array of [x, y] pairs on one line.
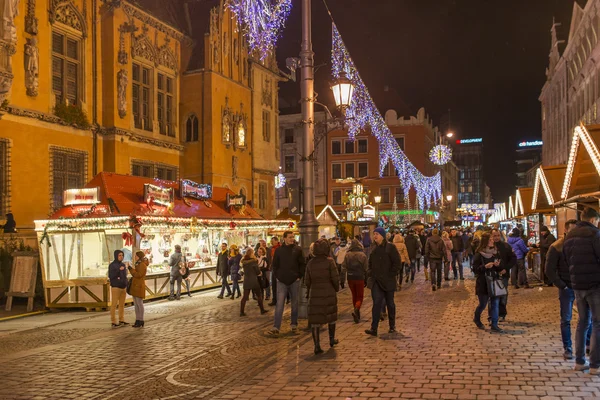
[[528, 158], [468, 157]]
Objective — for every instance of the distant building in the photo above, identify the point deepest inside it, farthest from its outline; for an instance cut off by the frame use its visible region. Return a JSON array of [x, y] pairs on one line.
[[468, 157], [572, 90], [529, 155], [291, 138]]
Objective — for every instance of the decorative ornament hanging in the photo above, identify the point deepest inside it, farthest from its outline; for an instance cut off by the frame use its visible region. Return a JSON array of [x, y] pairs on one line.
[[440, 154], [279, 180], [128, 238], [363, 114], [261, 22], [232, 225]]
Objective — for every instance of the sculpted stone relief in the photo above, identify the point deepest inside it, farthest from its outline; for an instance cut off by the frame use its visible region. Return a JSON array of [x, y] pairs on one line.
[[9, 9], [65, 12], [32, 64], [31, 22], [122, 81]]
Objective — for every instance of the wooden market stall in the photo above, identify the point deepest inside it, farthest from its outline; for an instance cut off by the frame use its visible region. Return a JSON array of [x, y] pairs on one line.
[[326, 215], [547, 187], [135, 213], [581, 186]]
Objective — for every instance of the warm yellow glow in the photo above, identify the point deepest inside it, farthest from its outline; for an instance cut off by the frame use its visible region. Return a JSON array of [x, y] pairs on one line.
[[581, 134], [377, 199], [449, 197]]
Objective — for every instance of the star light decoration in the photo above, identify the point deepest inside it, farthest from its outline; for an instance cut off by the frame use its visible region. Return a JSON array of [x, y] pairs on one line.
[[279, 180], [440, 154], [363, 113], [261, 21]]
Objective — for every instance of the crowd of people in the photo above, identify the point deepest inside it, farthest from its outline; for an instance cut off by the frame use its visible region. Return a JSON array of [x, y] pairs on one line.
[[383, 264]]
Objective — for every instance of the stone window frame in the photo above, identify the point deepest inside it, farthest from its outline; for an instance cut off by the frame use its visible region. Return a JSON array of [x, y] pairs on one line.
[[78, 36], [52, 152], [155, 167]]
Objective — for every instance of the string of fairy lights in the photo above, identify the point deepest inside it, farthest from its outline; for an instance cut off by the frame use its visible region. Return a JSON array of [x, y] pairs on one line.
[[262, 22]]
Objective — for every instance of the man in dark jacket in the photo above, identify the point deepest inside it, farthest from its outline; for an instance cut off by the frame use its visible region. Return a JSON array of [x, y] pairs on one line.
[[174, 262], [435, 252], [384, 265], [355, 264], [508, 260], [413, 246], [546, 240], [519, 273], [582, 252], [288, 269], [117, 274], [458, 247], [423, 239], [223, 271], [557, 271]]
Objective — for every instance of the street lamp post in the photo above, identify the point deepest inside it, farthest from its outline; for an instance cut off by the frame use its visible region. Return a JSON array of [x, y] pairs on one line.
[[445, 205], [377, 201]]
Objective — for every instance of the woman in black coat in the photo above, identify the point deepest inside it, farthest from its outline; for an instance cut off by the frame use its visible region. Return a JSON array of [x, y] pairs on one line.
[[323, 282], [252, 279], [486, 261]]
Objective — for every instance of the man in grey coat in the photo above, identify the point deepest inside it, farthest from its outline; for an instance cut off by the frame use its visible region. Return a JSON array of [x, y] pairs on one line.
[[174, 261]]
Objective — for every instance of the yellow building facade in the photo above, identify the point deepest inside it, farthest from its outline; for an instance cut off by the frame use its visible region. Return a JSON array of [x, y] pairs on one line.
[[89, 86]]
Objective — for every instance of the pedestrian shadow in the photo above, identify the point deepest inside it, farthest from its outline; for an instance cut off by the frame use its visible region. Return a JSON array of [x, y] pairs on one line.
[[513, 332], [328, 355], [522, 324], [393, 336]]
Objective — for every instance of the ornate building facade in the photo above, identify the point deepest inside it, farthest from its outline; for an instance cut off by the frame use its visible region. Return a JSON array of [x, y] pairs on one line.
[[572, 90], [108, 85]]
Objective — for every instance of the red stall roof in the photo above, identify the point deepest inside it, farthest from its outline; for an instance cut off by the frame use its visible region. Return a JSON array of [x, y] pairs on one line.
[[123, 195]]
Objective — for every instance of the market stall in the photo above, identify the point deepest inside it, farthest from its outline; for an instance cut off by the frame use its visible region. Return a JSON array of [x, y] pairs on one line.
[[547, 187], [326, 215], [122, 212]]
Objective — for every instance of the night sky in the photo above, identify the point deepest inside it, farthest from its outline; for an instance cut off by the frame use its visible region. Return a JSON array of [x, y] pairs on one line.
[[483, 60]]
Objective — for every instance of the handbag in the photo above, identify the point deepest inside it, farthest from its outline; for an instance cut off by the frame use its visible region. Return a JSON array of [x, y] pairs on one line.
[[128, 290], [495, 286]]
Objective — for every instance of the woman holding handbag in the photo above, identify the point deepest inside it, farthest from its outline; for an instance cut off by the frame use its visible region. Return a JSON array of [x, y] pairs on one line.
[[234, 266], [488, 287], [252, 279], [137, 290]]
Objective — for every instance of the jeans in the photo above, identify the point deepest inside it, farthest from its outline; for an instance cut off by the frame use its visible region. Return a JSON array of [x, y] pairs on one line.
[[267, 287], [413, 268], [457, 259], [484, 299], [566, 297], [436, 272], [225, 285], [282, 292], [117, 295], [588, 306], [175, 278], [188, 285], [519, 274], [138, 303], [410, 270], [236, 286], [379, 296], [357, 287]]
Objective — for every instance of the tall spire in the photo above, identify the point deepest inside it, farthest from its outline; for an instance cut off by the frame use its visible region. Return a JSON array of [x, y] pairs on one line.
[[554, 56]]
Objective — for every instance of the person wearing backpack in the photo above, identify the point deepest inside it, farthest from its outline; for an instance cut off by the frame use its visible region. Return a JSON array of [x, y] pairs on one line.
[[355, 264], [384, 264], [175, 276]]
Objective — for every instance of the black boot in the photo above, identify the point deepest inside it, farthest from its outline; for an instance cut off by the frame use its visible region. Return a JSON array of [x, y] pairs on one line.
[[315, 335], [141, 324], [332, 340], [136, 325]]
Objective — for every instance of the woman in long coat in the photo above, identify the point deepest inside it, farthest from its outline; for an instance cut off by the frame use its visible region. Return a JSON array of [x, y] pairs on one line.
[[252, 279], [138, 287], [323, 282]]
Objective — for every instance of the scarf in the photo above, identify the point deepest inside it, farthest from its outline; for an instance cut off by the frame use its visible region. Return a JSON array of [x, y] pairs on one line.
[[488, 253]]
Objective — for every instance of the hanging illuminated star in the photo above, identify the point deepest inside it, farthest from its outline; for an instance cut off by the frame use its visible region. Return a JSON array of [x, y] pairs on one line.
[[440, 154], [261, 21], [363, 114]]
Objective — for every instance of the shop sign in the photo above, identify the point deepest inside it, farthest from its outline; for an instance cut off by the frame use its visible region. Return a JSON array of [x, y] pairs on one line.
[[73, 197], [467, 141], [235, 200], [200, 191], [369, 212], [158, 195], [474, 206], [531, 144]]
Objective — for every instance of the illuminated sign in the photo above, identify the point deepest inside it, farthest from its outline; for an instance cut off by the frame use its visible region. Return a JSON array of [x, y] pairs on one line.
[[235, 200], [81, 196], [195, 190], [531, 144], [369, 212], [474, 206], [467, 141], [158, 195]]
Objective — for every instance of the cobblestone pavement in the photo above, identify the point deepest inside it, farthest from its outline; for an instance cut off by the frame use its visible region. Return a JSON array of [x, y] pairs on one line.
[[201, 348]]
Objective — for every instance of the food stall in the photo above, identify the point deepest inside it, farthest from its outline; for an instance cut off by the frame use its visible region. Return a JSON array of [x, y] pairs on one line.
[[581, 185], [326, 215], [122, 212]]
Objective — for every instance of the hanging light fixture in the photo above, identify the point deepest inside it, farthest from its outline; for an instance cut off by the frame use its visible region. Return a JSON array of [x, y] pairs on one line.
[[342, 92]]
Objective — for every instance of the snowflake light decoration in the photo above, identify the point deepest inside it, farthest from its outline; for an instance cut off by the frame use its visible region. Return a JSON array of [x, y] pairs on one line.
[[261, 22], [363, 114], [440, 154], [279, 181]]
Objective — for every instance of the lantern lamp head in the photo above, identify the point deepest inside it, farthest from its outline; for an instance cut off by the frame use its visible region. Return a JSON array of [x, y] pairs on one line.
[[377, 199], [342, 92]]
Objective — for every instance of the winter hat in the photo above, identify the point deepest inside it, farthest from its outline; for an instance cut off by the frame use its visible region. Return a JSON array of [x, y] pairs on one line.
[[380, 230], [140, 254], [516, 232], [544, 229]]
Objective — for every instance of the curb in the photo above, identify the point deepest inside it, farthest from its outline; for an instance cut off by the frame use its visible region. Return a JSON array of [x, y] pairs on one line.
[[23, 315]]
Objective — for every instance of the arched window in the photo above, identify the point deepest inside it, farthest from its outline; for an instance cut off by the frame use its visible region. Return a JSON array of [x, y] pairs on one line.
[[191, 129]]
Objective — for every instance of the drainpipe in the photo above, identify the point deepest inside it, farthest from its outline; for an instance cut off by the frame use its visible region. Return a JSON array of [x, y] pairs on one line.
[[203, 131], [250, 83], [94, 93]]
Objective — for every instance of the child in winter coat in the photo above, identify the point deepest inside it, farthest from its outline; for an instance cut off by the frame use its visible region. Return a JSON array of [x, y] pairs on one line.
[[404, 257]]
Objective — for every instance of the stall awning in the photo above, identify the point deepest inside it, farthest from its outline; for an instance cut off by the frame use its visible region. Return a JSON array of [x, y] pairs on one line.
[[511, 208], [523, 200], [325, 214], [123, 195], [583, 169], [547, 187]]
